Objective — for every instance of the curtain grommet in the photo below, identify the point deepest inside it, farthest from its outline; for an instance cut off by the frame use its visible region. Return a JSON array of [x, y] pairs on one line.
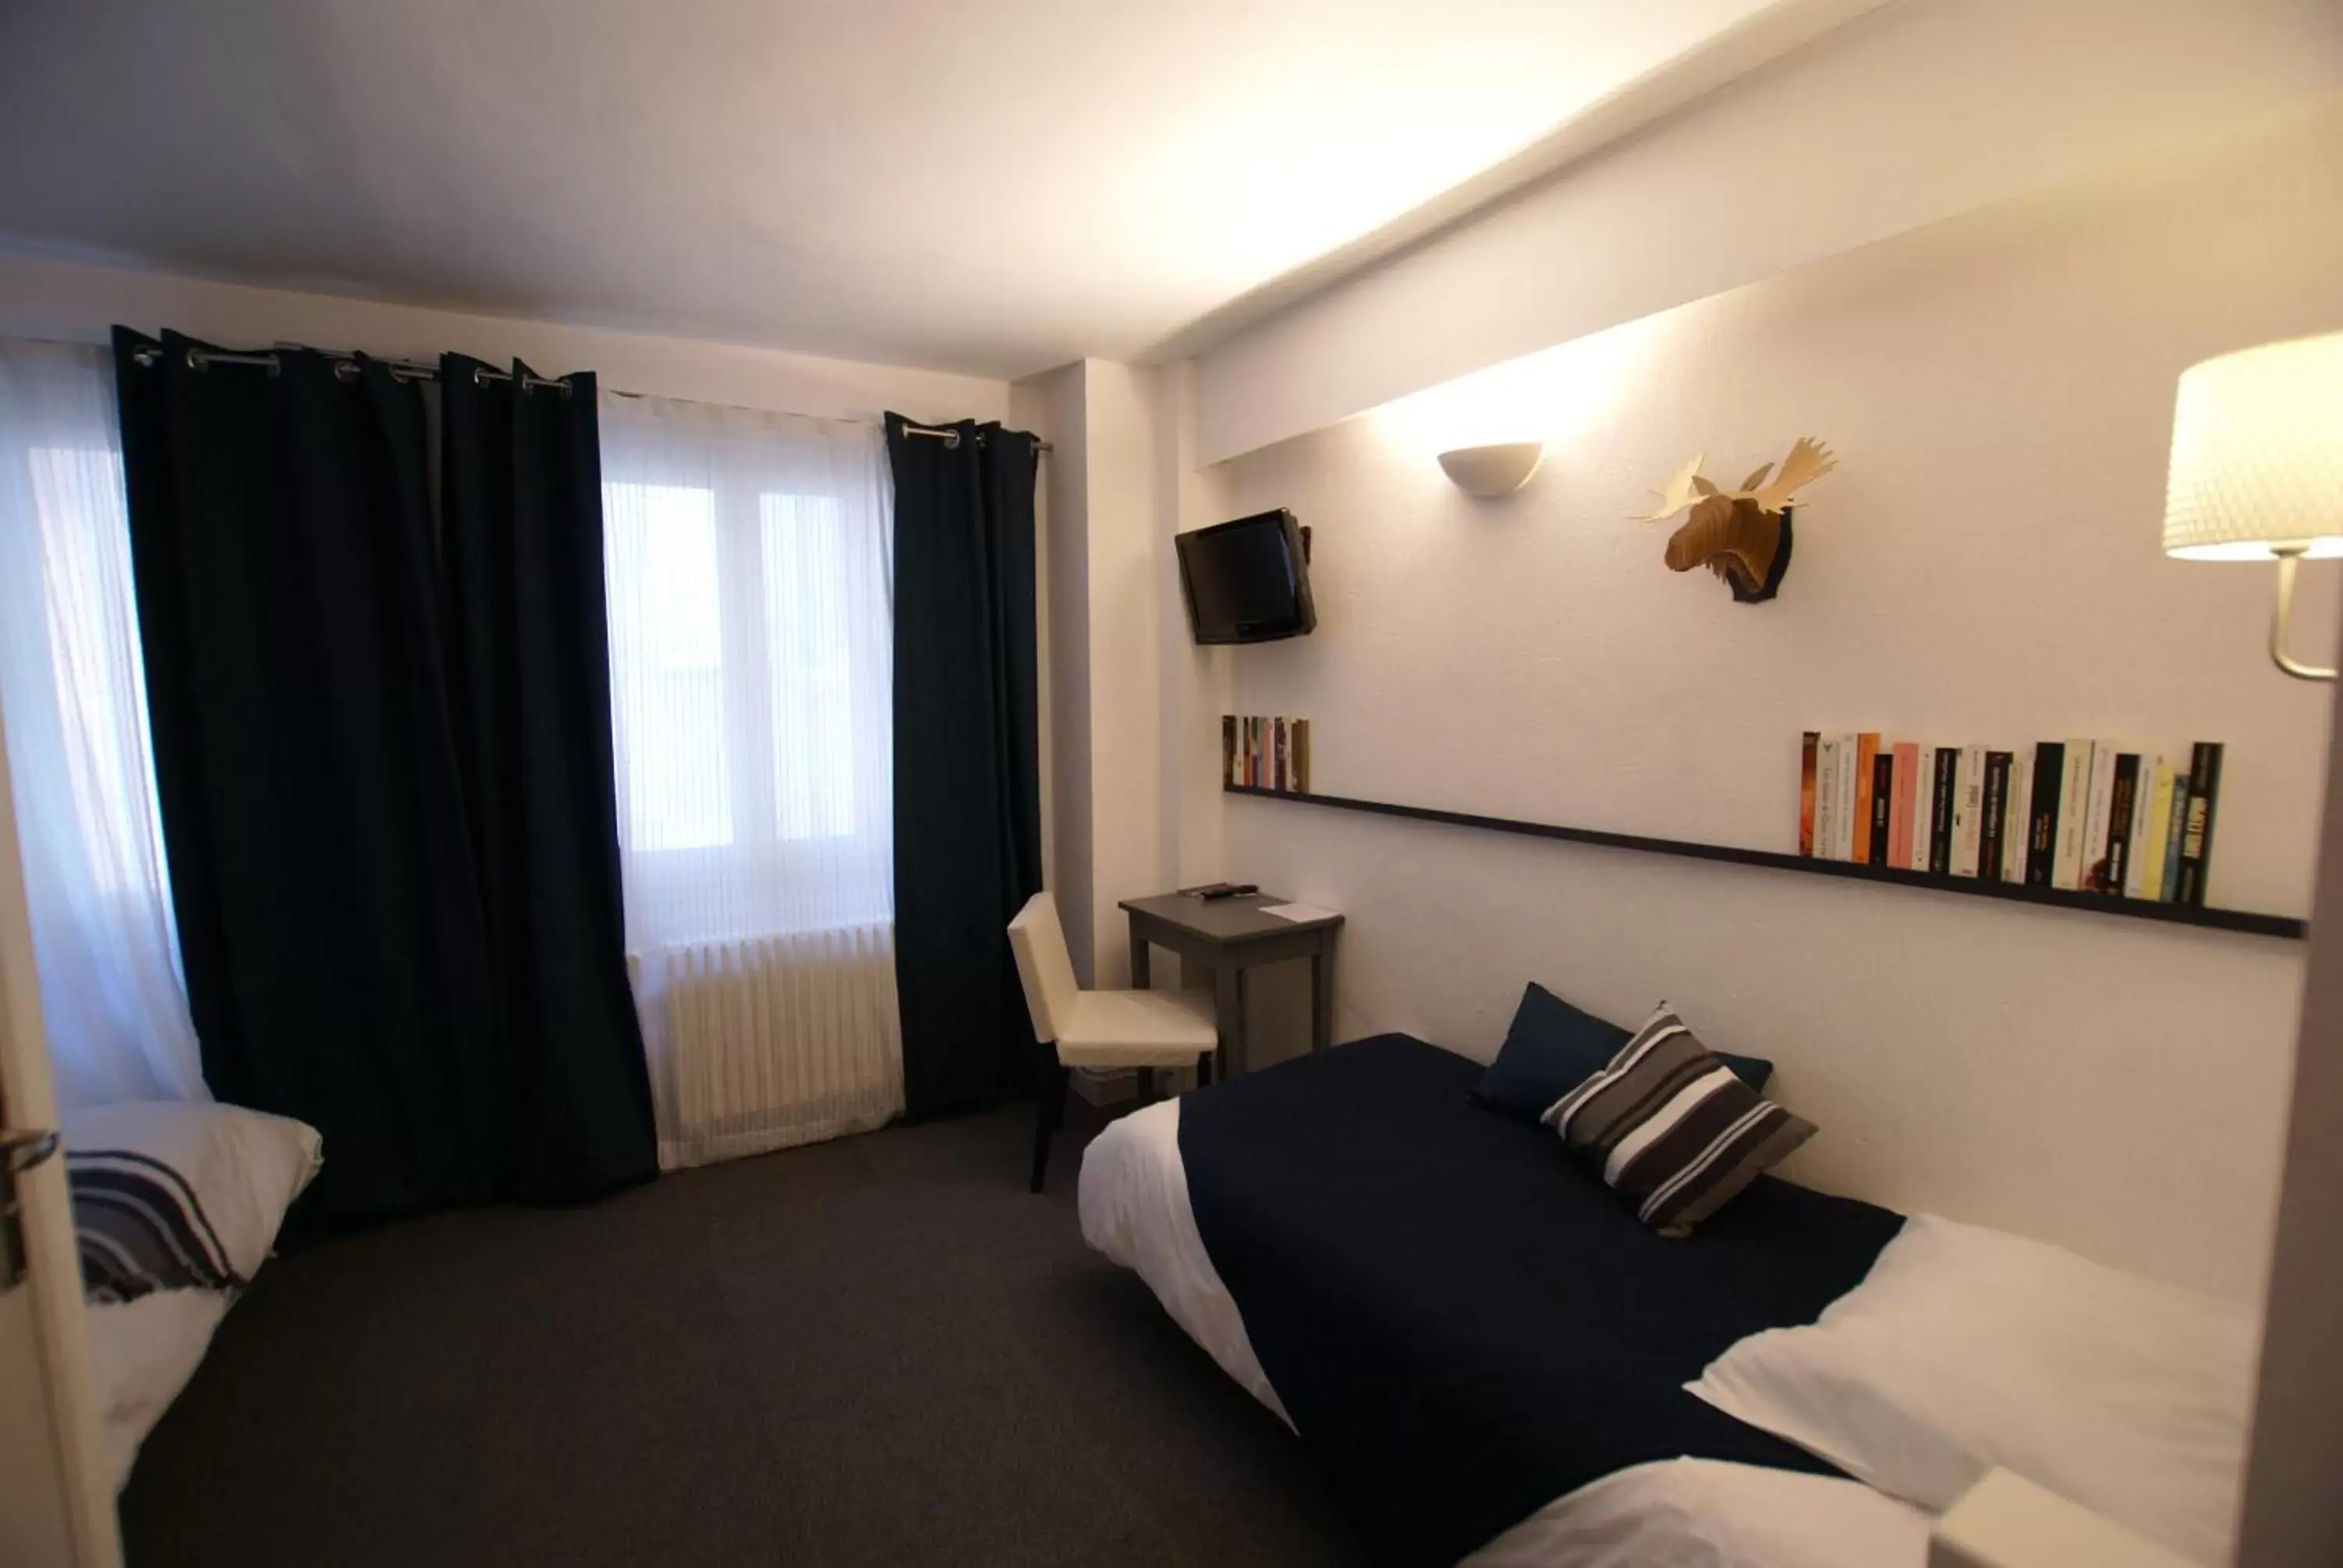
[[194, 360]]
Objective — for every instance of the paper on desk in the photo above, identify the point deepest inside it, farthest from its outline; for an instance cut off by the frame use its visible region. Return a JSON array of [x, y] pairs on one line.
[[1298, 912]]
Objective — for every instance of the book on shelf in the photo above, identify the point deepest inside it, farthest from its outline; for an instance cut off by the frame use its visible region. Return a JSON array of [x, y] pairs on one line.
[[1994, 799], [2042, 827], [2092, 876], [1843, 845], [2079, 814], [1826, 797], [2197, 834], [1943, 797], [1266, 753], [2017, 815], [2175, 834], [1883, 801], [2151, 829], [2073, 805], [1866, 752], [1923, 804], [1968, 810], [1904, 756], [2123, 819], [1809, 745]]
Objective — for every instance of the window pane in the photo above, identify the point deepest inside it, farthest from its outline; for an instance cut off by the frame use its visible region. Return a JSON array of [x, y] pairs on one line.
[[806, 613], [94, 655], [667, 664]]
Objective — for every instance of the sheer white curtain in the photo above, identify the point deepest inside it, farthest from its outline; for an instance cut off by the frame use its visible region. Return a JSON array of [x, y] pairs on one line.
[[747, 557], [73, 693]]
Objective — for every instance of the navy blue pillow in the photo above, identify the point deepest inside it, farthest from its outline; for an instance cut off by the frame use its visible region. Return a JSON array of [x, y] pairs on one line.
[[1552, 1048]]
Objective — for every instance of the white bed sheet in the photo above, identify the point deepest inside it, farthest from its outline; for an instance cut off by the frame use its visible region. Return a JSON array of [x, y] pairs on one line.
[[1682, 1512]]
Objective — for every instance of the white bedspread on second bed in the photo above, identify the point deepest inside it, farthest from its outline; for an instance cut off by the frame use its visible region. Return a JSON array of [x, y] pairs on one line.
[[1684, 1512]]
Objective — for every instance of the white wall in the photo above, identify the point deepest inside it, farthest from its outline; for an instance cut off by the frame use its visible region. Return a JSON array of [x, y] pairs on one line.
[[1195, 690], [1054, 406], [76, 303], [1106, 672], [1127, 796], [1984, 567], [1919, 111]]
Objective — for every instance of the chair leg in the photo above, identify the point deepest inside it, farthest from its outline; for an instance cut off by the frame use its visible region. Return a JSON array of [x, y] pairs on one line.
[[1049, 1115], [1146, 1086], [1203, 1069]]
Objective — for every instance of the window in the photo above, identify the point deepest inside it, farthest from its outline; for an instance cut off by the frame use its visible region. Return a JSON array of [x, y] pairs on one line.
[[747, 558], [660, 542], [805, 592], [73, 684]]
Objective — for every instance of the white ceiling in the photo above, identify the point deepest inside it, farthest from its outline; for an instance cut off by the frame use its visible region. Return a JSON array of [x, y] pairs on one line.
[[987, 188]]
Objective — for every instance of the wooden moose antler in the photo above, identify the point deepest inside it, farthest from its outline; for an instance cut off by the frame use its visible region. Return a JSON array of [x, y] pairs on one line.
[[1742, 535]]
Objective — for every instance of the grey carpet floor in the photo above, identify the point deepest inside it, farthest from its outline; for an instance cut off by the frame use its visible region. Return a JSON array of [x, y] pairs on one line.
[[878, 1350]]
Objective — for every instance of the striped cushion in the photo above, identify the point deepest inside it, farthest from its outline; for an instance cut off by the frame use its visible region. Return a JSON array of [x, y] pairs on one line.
[[141, 1227], [1672, 1127]]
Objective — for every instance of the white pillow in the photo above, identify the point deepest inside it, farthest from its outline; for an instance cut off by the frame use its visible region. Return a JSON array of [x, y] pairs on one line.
[[1711, 1513], [247, 1166], [142, 1353], [1964, 1348]]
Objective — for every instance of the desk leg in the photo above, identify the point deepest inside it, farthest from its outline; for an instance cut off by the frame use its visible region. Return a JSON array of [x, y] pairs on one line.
[[1140, 977], [1321, 996], [1227, 1014]]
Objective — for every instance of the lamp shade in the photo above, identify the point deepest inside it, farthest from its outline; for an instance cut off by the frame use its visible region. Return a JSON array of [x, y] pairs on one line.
[[1489, 472], [2257, 454]]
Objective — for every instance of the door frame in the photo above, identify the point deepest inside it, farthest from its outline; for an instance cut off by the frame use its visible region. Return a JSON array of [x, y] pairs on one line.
[[28, 1091]]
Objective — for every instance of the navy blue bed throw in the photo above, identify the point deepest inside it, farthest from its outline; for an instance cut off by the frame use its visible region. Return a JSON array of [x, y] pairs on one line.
[[1463, 1321]]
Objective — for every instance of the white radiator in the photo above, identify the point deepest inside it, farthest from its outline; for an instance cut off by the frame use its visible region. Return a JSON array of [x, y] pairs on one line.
[[769, 1041]]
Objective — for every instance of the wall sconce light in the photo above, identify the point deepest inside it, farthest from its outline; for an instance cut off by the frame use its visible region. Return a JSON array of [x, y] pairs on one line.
[[1491, 471], [2258, 467]]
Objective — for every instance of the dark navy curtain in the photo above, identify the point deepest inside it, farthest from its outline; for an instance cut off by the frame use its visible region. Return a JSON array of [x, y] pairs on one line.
[[967, 813], [529, 659], [382, 791]]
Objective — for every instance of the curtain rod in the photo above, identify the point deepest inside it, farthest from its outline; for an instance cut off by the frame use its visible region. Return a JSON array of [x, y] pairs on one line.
[[344, 367], [950, 437], [408, 370]]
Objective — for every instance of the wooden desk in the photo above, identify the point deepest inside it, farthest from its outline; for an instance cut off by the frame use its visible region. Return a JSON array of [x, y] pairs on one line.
[[1231, 936]]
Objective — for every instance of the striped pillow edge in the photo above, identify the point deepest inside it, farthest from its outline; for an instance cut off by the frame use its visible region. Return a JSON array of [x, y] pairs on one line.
[[139, 1228], [1669, 1123]]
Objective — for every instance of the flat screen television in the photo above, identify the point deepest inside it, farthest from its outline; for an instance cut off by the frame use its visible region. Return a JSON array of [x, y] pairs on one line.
[[1247, 580]]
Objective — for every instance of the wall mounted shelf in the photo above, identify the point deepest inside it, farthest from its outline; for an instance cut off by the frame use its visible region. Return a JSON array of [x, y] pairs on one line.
[[2253, 924]]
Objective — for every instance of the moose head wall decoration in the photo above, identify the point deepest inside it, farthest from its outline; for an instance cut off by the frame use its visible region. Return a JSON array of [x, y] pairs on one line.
[[1742, 535]]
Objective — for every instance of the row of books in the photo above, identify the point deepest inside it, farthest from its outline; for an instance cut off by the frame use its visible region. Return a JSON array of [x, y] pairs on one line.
[[2084, 815], [1266, 753]]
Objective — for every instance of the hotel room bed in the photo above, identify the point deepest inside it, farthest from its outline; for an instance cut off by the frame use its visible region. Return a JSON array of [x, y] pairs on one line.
[[1482, 1347]]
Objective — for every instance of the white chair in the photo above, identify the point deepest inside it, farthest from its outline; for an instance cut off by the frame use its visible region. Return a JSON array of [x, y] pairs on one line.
[[1138, 1029]]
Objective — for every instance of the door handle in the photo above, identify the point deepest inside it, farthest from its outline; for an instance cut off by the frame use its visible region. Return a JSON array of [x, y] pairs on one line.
[[20, 1150]]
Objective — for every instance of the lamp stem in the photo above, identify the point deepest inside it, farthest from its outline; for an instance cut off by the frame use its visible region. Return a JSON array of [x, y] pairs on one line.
[[2281, 617]]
